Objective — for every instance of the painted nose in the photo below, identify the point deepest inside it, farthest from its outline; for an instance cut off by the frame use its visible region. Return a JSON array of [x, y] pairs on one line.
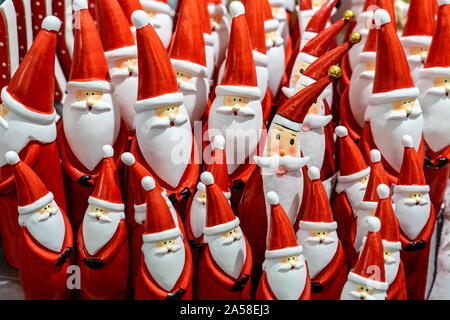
[[282, 153], [90, 102], [130, 67], [293, 263], [409, 109], [236, 107], [172, 116]]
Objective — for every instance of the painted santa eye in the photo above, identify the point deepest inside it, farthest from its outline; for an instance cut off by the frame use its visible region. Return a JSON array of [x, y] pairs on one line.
[[315, 101], [302, 70], [292, 142], [277, 137]]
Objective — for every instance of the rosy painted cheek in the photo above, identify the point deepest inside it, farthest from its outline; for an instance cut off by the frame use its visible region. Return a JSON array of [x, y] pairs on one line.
[[275, 147], [292, 151]]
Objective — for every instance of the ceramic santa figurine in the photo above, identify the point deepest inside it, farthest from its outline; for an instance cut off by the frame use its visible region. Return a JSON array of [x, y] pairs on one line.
[[27, 126], [393, 109], [187, 55], [366, 281], [225, 263], [90, 110], [321, 246], [120, 51], [434, 85], [46, 240], [220, 29], [158, 11], [350, 187], [236, 112], [164, 142], [281, 167], [128, 7], [103, 252], [165, 271], [285, 275], [417, 33], [417, 217], [390, 236]]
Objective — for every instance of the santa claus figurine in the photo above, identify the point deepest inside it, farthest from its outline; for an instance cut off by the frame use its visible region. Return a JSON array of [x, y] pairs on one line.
[[158, 11], [27, 126], [220, 29], [164, 141], [165, 271], [103, 252], [285, 275], [91, 115], [120, 52], [390, 236], [393, 109], [322, 248], [46, 240], [225, 262], [187, 55], [417, 217], [417, 33], [350, 187], [366, 281]]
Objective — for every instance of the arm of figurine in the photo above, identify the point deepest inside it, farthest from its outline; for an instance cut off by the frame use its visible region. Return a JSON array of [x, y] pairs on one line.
[[328, 274], [424, 237], [151, 286], [39, 252], [263, 292], [118, 240], [30, 158], [186, 276]]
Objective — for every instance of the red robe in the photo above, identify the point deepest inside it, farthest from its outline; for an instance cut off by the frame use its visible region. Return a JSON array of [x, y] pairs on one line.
[[77, 195], [266, 106], [211, 283], [110, 281], [43, 272], [265, 293], [146, 288], [437, 178], [344, 81], [347, 118], [397, 289], [44, 160]]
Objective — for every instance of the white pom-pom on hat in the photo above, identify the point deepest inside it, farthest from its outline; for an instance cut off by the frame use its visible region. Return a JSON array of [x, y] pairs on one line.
[[236, 9], [79, 5], [383, 191], [51, 23], [341, 131], [148, 183], [373, 224], [12, 157], [218, 142], [443, 2], [140, 19], [407, 141], [381, 17], [128, 158], [272, 198], [108, 151], [313, 173], [375, 156], [207, 178]]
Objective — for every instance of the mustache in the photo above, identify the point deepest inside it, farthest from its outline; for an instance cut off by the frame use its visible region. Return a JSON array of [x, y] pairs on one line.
[[123, 73], [101, 217], [200, 200], [230, 240], [288, 267], [187, 87], [164, 250], [155, 23], [163, 123], [4, 123], [245, 112], [367, 75], [356, 294], [316, 240], [390, 260], [413, 202], [98, 107], [287, 163], [218, 26], [401, 114], [278, 42], [314, 121], [437, 91]]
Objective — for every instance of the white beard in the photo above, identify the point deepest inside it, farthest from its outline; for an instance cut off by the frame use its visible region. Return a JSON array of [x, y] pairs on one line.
[[435, 110], [164, 31], [415, 65], [360, 90], [20, 132], [412, 217], [49, 232], [364, 19], [167, 150], [221, 36], [209, 53], [355, 193], [286, 283], [276, 67], [391, 266], [197, 215], [195, 97], [97, 233], [88, 131], [283, 29], [262, 77], [361, 226], [241, 134], [230, 257], [318, 255], [349, 293], [125, 93], [165, 267], [387, 134]]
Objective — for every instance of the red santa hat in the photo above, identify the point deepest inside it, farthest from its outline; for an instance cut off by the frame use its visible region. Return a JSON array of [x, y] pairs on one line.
[[352, 163], [411, 177], [281, 240], [187, 50], [367, 4], [438, 60], [206, 25], [393, 79], [369, 51], [159, 223], [371, 259], [30, 91], [128, 7], [239, 76], [318, 45], [305, 5], [157, 81], [270, 23], [107, 188], [377, 176], [389, 230], [318, 215], [293, 111], [114, 30], [419, 26], [89, 66], [219, 215], [160, 6], [32, 194], [321, 17], [254, 13], [218, 167]]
